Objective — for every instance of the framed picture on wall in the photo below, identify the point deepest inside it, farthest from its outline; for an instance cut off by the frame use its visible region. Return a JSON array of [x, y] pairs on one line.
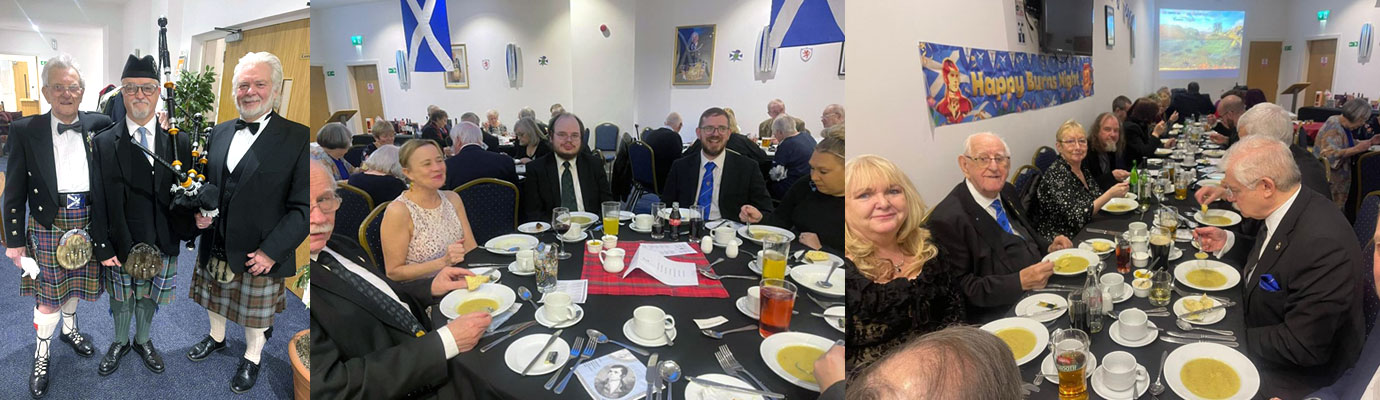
[[460, 77], [841, 59], [694, 63], [1110, 26]]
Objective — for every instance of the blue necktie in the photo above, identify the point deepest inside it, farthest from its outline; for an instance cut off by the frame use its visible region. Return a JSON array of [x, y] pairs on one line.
[[144, 141], [707, 188], [1001, 216]]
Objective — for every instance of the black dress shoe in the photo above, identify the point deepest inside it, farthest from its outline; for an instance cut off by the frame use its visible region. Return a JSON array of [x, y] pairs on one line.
[[38, 380], [111, 361], [245, 376], [150, 356], [80, 342], [204, 349]]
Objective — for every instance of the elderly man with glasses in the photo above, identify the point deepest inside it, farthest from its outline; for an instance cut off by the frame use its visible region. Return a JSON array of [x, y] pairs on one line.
[[47, 171]]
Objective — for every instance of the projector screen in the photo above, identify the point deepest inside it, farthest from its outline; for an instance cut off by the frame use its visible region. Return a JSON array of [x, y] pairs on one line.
[[1200, 43]]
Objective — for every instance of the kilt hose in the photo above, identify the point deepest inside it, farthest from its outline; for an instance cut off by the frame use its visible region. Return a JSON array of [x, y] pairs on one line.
[[55, 284], [249, 300], [123, 287]]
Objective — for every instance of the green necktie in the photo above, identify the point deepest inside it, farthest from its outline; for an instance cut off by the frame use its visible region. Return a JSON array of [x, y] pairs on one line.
[[568, 188]]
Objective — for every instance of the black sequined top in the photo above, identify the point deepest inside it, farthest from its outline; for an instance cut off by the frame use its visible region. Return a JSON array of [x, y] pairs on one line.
[[884, 315]]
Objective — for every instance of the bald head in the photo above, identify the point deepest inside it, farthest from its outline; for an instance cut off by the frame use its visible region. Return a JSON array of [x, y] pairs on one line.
[[956, 363], [1231, 108]]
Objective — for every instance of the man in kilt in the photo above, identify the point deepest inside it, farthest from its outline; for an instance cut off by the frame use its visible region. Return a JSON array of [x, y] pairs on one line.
[[133, 200], [57, 202], [259, 162]]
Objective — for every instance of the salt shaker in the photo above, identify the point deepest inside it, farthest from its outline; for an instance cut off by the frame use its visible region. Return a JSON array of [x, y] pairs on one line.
[[731, 249], [707, 244]]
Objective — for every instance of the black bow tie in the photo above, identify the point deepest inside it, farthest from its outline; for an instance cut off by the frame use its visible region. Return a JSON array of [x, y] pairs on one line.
[[253, 126], [73, 126]]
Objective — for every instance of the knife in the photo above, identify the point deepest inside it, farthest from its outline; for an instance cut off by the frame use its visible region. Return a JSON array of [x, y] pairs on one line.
[[1192, 341], [651, 384], [486, 265], [514, 332], [1103, 231], [542, 352], [716, 385], [1050, 306], [1200, 336], [1208, 310], [508, 328]]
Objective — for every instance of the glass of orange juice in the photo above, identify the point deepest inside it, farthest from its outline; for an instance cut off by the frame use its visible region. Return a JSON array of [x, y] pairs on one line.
[[610, 218], [773, 257]]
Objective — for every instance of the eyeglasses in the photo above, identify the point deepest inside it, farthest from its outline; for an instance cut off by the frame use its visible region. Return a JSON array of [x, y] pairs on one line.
[[328, 204], [715, 129], [148, 90], [68, 89], [1072, 142], [566, 136], [1001, 160], [244, 87]]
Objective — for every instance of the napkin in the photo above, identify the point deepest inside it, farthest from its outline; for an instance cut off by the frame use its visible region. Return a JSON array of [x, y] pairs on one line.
[[574, 231], [30, 267], [710, 322], [499, 319]]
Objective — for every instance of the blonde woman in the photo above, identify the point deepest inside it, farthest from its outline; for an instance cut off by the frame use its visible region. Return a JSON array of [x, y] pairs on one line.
[[425, 229], [1068, 194], [896, 286]]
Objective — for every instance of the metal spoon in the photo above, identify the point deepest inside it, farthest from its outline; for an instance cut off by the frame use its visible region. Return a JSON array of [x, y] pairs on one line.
[[670, 371], [1189, 327], [527, 295], [1158, 387], [600, 338], [825, 283], [720, 335]]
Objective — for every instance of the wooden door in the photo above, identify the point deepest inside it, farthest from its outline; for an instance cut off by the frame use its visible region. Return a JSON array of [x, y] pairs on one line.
[[320, 110], [291, 42], [1262, 71], [365, 79], [21, 81], [1322, 60]]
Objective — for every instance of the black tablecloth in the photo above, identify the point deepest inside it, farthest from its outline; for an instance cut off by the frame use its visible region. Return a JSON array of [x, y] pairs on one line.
[[607, 313], [1148, 355]]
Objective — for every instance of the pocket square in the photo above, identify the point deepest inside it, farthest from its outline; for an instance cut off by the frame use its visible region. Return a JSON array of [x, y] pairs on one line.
[[1269, 283]]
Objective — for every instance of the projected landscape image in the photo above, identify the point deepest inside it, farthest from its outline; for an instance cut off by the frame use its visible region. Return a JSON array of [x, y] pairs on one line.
[[1200, 39]]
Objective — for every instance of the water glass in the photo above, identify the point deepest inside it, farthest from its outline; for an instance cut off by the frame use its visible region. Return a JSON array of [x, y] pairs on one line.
[[658, 221]]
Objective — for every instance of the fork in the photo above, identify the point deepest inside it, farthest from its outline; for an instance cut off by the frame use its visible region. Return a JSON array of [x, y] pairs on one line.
[[574, 352], [720, 335], [711, 275], [585, 355], [733, 364], [823, 304], [1185, 293]]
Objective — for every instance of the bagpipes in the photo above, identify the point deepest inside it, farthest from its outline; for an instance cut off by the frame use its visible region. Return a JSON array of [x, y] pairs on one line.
[[191, 191]]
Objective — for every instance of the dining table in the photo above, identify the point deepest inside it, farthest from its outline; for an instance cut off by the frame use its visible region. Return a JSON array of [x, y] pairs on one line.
[[693, 351]]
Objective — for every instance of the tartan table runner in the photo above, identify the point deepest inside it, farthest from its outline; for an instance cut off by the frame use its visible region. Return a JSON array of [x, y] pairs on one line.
[[639, 283]]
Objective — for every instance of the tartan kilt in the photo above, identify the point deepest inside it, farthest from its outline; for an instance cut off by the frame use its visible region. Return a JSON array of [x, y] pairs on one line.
[[249, 300], [160, 288], [55, 284]]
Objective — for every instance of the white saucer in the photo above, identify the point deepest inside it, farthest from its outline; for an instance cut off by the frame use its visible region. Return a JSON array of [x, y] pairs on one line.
[[658, 342], [534, 227], [512, 269], [1126, 293], [1150, 335], [521, 352], [755, 268], [742, 304], [736, 240], [625, 215], [583, 235], [835, 310], [541, 318], [634, 229], [1141, 385], [1047, 367]]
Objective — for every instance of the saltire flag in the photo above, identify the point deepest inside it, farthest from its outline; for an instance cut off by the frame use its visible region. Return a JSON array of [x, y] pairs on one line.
[[806, 22], [428, 35]]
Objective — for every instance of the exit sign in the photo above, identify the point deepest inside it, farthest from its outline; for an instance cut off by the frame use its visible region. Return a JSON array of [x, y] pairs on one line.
[[392, 70], [1322, 15], [356, 40], [1287, 48], [1353, 44], [330, 73]]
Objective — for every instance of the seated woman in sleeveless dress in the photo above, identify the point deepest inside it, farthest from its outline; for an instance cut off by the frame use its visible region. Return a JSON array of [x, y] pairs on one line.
[[426, 228]]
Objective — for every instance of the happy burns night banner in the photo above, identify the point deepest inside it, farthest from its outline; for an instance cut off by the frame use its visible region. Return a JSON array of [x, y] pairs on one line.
[[968, 84]]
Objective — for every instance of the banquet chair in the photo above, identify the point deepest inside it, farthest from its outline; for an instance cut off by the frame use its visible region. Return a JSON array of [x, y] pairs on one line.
[[355, 156], [355, 205], [643, 171], [370, 236], [1367, 177], [1365, 217], [1370, 306], [493, 196], [606, 140], [1044, 157], [1024, 178]]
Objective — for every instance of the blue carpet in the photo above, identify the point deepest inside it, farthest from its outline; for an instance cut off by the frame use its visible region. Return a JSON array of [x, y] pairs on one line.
[[176, 327]]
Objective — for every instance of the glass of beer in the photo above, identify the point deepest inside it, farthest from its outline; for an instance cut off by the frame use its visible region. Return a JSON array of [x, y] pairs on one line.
[[1070, 349], [773, 256], [1161, 245], [766, 141], [610, 218], [1161, 284], [777, 301]]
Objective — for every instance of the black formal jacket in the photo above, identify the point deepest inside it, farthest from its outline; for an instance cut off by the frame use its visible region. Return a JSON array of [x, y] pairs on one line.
[[134, 208], [541, 191], [269, 208], [520, 152], [741, 144], [1313, 171], [492, 143], [737, 187], [1140, 142], [31, 173], [665, 144], [1306, 334], [473, 162], [1189, 105], [1229, 132], [430, 132], [990, 273], [358, 352], [1104, 177]]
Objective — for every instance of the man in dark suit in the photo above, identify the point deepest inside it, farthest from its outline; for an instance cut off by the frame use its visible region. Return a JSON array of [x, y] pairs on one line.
[[259, 163], [776, 108], [48, 171], [472, 162], [792, 160], [1301, 284], [1272, 121], [714, 177], [983, 229], [490, 141], [569, 177], [1190, 103], [132, 199], [1229, 112], [665, 144], [369, 335]]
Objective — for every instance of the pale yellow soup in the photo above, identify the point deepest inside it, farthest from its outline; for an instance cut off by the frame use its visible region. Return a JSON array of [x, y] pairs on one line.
[[1070, 263], [799, 361], [473, 305], [1210, 379], [1020, 340], [1206, 278]]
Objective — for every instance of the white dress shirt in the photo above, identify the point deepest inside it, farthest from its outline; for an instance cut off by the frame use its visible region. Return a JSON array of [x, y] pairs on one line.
[[69, 154], [447, 339], [151, 127], [242, 141], [986, 204], [718, 182], [574, 177]]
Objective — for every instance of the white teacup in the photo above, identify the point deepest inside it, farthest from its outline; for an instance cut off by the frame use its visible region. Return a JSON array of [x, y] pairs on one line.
[[1114, 283], [642, 222], [526, 260], [1140, 259], [612, 260], [1119, 369], [594, 245], [754, 296], [1133, 324], [723, 234], [610, 241], [651, 323], [558, 307]]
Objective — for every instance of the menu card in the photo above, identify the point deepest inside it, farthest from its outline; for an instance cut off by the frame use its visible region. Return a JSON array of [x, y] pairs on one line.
[[671, 273], [618, 375]]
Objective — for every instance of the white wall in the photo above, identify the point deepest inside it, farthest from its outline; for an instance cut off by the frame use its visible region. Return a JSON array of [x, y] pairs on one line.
[[890, 117], [1344, 24], [80, 31], [601, 90], [1264, 21]]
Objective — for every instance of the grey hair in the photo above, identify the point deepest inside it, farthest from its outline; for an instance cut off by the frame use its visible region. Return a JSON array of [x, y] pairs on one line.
[[385, 160], [837, 109], [1257, 157], [672, 119], [557, 109], [959, 362], [783, 123], [334, 136], [528, 126], [1356, 111], [1267, 120], [968, 143], [470, 117], [61, 61], [381, 127], [776, 102], [466, 133], [330, 179], [491, 113], [263, 57], [526, 112]]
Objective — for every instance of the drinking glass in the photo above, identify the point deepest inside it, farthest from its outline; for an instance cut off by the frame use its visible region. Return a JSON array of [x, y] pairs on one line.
[[1070, 349], [547, 262], [1085, 310], [773, 257], [611, 214], [777, 301], [1161, 245], [1161, 284], [1123, 255], [695, 228], [560, 222], [658, 221]]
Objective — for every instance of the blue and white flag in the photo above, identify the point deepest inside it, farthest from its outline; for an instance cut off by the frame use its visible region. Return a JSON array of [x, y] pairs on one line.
[[428, 35], [806, 22]]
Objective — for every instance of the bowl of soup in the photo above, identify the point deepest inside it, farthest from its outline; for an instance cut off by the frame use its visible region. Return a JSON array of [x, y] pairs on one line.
[[489, 297]]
